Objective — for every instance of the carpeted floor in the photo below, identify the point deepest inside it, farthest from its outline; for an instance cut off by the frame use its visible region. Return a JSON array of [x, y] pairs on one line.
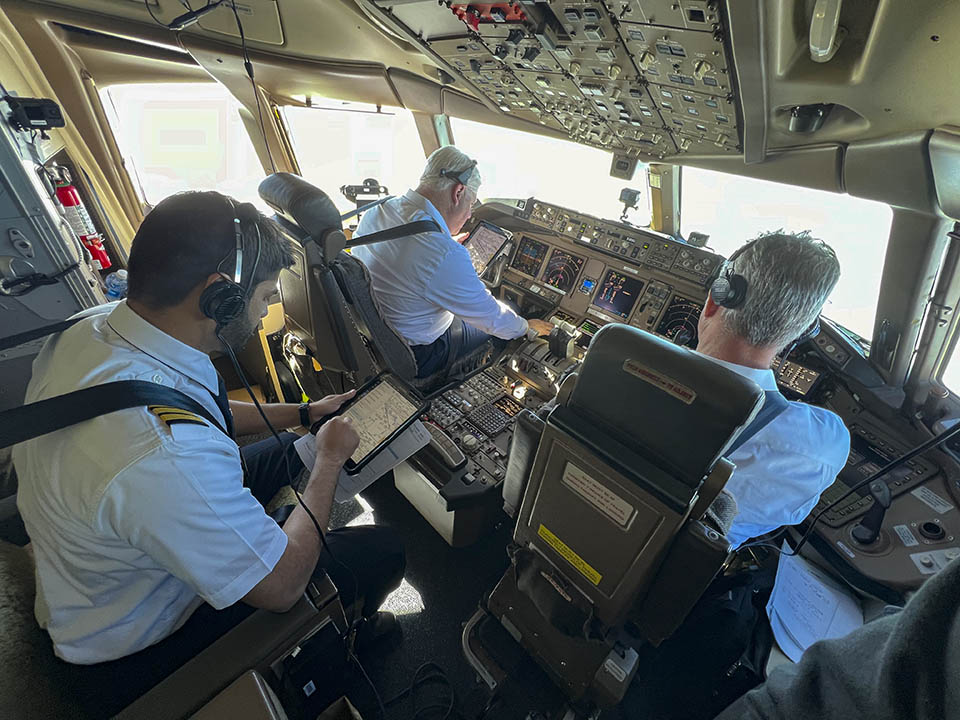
[[442, 588]]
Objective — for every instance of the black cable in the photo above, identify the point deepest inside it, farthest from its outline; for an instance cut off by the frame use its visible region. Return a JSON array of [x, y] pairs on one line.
[[248, 66], [918, 450], [33, 281], [157, 20], [435, 674], [383, 710], [290, 479]]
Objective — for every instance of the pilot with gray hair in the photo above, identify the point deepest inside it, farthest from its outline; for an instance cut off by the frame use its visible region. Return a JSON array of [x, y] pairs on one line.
[[426, 285], [765, 298]]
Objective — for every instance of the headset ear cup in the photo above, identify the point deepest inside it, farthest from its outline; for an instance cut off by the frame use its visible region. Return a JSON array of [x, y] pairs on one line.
[[720, 290], [738, 291], [222, 302]]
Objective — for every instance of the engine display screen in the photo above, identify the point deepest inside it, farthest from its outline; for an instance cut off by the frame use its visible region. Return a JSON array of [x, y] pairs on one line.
[[529, 257], [562, 270], [618, 293]]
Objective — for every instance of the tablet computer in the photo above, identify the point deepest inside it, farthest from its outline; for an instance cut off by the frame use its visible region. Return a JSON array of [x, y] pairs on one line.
[[484, 242], [381, 410]]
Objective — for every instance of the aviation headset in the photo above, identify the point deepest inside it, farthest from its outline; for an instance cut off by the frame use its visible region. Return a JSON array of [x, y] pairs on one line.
[[461, 176], [225, 300], [729, 289]]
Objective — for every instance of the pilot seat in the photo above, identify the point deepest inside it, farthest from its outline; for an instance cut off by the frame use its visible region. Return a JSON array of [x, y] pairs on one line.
[[613, 529], [333, 318]]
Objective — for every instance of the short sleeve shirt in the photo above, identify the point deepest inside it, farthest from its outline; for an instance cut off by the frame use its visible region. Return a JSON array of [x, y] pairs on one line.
[[135, 520]]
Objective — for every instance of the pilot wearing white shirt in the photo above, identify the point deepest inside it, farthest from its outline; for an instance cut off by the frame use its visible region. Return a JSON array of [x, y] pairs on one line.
[[426, 285], [149, 541], [770, 292]]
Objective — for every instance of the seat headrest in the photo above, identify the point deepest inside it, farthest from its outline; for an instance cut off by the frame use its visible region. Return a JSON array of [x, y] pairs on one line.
[[301, 203], [679, 408]]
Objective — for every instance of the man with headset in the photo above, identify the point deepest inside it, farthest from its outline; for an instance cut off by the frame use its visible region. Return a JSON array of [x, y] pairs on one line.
[[767, 296], [764, 299], [426, 284], [149, 540]]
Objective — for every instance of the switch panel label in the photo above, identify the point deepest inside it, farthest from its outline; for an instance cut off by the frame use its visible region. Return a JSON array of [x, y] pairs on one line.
[[598, 495], [906, 535], [930, 498]]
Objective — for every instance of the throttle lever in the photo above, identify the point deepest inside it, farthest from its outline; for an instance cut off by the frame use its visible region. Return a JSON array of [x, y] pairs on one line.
[[867, 530]]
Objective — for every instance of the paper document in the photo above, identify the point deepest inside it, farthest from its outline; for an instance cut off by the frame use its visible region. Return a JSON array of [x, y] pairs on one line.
[[406, 444], [807, 605]]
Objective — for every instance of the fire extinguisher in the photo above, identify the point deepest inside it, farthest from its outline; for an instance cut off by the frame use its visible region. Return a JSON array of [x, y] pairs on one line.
[[79, 220]]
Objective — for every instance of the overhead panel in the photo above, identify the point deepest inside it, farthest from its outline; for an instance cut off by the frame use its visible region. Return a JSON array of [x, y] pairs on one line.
[[651, 77]]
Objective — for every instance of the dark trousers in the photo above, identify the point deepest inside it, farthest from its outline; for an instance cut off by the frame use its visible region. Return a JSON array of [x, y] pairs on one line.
[[460, 339], [368, 558]]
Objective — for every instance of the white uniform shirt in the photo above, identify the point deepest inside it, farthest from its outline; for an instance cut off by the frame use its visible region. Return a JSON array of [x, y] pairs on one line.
[[134, 522], [783, 469], [424, 280]]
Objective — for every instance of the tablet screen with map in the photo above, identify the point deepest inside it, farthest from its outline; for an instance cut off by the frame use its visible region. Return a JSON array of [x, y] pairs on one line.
[[379, 413]]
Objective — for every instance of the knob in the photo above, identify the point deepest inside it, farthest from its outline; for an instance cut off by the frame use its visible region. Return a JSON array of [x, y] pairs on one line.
[[614, 71], [701, 68], [646, 59], [575, 68], [470, 442]]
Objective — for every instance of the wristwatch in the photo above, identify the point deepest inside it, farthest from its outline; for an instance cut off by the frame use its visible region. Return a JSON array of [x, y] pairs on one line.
[[304, 414]]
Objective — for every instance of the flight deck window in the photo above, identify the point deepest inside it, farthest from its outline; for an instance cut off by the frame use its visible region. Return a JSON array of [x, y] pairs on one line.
[[733, 209], [183, 136], [516, 164], [343, 143]]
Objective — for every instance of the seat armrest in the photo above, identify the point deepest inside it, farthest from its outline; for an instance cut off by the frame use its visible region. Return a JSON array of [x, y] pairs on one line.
[[249, 697], [523, 449], [256, 643]]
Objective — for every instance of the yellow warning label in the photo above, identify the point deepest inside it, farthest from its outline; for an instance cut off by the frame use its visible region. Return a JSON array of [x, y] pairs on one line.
[[570, 556]]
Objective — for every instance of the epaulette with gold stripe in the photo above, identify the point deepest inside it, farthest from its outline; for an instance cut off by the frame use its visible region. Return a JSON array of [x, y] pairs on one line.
[[173, 415]]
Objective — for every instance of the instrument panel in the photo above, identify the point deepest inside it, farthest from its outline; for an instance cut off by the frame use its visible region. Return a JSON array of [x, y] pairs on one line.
[[639, 77], [588, 272], [593, 272]]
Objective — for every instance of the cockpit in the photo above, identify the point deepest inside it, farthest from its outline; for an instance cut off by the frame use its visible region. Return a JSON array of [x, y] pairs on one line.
[[568, 493]]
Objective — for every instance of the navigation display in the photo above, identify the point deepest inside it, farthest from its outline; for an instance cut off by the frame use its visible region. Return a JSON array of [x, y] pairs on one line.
[[562, 270], [376, 415], [680, 320], [618, 293], [483, 243], [529, 257]]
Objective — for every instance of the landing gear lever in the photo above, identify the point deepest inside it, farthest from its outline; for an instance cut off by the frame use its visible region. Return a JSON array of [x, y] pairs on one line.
[[868, 529]]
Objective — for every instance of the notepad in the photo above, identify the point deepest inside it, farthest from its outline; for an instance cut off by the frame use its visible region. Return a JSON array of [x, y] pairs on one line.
[[406, 444], [807, 605]]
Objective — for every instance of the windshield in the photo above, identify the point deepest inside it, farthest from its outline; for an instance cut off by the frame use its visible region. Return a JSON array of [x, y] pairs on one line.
[[733, 209], [516, 164], [341, 143]]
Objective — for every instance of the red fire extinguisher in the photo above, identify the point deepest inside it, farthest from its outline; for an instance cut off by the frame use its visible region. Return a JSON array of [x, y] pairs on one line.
[[79, 220]]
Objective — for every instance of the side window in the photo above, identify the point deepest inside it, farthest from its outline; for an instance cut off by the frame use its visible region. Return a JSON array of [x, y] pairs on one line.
[[344, 143], [183, 136], [733, 209]]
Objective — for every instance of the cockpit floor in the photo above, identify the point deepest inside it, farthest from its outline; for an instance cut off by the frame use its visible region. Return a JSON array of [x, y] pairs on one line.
[[440, 592]]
